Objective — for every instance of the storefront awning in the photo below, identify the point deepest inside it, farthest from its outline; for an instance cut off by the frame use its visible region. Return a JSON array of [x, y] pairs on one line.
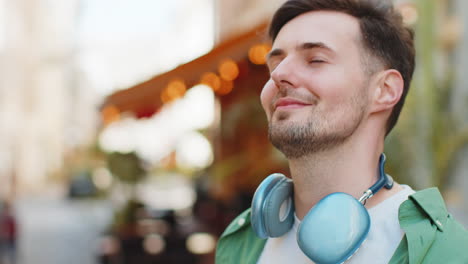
[[144, 99]]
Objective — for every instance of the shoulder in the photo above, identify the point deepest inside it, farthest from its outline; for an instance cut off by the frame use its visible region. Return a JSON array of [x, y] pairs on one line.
[[238, 243], [429, 206], [431, 233]]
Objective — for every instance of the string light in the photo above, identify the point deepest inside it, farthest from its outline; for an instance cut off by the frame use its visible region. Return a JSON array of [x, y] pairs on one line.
[[257, 53], [226, 87], [174, 90], [212, 80], [228, 70]]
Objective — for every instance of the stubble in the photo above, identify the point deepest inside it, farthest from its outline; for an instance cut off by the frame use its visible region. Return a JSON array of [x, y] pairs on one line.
[[320, 131]]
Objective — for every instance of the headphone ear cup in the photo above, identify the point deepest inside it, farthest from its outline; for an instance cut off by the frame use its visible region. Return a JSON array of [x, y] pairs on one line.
[[267, 217], [277, 223], [333, 229]]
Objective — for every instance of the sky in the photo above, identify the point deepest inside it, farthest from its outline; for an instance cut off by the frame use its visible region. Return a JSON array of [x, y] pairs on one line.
[[124, 42], [123, 18]]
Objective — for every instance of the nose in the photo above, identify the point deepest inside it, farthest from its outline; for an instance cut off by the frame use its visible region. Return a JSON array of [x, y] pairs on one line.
[[283, 74]]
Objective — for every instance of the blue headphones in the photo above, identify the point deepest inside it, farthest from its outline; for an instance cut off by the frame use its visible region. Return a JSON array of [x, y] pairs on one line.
[[331, 232]]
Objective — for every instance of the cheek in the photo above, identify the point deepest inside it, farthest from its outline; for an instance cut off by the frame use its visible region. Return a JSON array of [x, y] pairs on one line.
[[266, 97], [332, 89]]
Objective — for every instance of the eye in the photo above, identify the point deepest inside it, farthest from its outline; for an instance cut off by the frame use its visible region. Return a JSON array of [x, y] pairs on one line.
[[317, 61]]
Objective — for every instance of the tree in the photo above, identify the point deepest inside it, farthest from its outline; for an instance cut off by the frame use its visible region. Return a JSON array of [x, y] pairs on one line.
[[428, 137]]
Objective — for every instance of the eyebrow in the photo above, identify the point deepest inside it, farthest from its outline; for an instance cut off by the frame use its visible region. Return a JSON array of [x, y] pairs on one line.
[[304, 46]]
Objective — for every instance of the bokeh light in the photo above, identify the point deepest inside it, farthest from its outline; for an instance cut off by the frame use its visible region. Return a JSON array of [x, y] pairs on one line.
[[198, 109], [228, 70], [201, 243], [226, 87], [173, 192], [194, 151], [212, 80], [174, 90], [258, 52], [154, 244]]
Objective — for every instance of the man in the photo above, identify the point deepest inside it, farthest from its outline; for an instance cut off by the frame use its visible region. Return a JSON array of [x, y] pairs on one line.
[[340, 71]]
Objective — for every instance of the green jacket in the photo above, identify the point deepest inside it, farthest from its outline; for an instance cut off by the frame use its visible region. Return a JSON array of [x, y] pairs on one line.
[[432, 236]]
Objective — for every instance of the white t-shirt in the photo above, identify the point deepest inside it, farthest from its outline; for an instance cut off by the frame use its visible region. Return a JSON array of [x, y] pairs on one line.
[[384, 236]]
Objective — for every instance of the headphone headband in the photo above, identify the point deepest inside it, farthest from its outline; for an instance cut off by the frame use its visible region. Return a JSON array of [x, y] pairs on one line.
[[383, 181]]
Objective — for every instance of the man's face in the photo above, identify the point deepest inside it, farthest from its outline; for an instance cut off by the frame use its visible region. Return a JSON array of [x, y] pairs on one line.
[[317, 95]]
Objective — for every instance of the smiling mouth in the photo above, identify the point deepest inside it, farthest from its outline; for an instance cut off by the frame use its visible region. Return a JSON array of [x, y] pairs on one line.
[[288, 103]]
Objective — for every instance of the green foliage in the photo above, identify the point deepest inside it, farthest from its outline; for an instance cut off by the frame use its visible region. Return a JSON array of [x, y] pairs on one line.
[[428, 137], [127, 215], [125, 166]]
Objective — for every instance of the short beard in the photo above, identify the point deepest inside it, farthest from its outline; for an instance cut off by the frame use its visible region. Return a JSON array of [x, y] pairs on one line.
[[313, 136]]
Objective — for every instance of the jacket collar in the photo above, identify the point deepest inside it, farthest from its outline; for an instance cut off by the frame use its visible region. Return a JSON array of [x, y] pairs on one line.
[[421, 216], [431, 201], [240, 222]]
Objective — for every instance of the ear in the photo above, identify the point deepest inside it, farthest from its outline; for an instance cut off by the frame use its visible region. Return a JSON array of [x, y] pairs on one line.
[[388, 90]]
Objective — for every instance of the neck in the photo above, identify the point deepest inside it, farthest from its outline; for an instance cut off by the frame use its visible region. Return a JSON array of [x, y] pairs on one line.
[[350, 168]]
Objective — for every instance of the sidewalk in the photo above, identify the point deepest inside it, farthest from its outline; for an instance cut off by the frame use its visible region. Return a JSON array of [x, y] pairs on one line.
[[58, 231]]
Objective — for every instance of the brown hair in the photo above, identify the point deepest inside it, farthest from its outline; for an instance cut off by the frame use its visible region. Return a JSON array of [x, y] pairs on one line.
[[384, 36]]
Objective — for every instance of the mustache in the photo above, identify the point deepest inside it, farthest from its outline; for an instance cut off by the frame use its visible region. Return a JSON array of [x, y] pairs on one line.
[[293, 93]]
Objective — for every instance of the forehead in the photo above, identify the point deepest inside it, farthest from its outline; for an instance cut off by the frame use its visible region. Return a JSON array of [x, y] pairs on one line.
[[337, 30]]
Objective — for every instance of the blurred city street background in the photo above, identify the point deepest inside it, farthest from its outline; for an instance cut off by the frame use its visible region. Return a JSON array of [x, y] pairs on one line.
[[57, 230], [132, 132]]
